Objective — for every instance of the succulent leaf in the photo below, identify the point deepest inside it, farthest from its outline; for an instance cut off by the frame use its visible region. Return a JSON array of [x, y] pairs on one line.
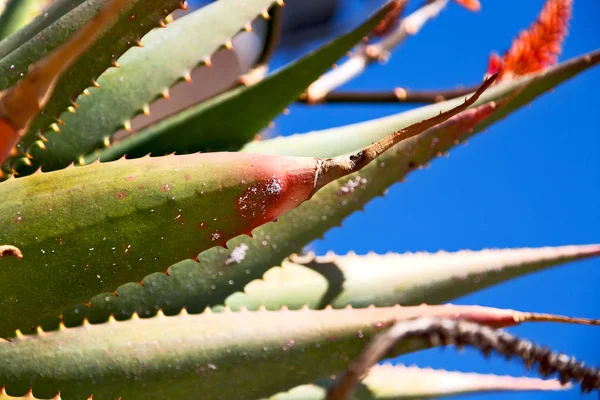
[[237, 115], [327, 142], [136, 19], [22, 102], [125, 219], [122, 93], [150, 212], [17, 14], [200, 353], [54, 11], [389, 382], [219, 272], [405, 279]]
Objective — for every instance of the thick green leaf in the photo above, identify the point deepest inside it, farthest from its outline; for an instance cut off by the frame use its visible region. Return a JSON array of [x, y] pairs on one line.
[[17, 14], [143, 75], [137, 18], [387, 382], [220, 272], [405, 279], [92, 228], [220, 355], [57, 9], [233, 118], [24, 101]]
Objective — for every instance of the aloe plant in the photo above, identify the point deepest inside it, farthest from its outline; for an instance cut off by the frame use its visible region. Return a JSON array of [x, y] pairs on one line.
[[165, 260]]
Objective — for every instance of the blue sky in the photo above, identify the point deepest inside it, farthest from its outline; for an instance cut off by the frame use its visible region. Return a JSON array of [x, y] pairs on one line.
[[531, 180]]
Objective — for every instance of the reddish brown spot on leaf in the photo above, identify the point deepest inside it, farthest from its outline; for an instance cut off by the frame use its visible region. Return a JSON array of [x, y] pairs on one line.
[[379, 325], [274, 193], [8, 139], [126, 249], [178, 218]]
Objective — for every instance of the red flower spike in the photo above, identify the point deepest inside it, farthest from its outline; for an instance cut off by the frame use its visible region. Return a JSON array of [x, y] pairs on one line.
[[538, 47], [471, 5], [495, 64]]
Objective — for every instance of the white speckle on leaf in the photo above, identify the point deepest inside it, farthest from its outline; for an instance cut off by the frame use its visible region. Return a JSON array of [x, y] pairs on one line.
[[256, 198], [237, 254], [352, 184], [274, 186]]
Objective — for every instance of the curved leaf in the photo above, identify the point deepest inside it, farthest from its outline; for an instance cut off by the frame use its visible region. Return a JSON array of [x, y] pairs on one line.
[[17, 14], [239, 114], [388, 382], [122, 93], [405, 279], [57, 9], [122, 35], [92, 228], [21, 103], [171, 357]]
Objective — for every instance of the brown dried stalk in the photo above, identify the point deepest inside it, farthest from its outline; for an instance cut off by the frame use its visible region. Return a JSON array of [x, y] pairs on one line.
[[369, 53], [398, 95], [334, 168], [444, 331]]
